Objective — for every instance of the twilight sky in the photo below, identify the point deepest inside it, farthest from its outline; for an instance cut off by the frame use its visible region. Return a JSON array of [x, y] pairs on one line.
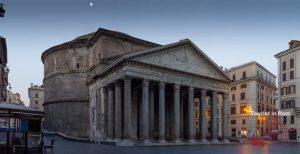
[[231, 32]]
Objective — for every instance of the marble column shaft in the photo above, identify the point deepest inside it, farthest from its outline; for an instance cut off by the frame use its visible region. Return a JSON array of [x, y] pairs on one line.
[[151, 112], [177, 112], [225, 116], [191, 110], [162, 114], [203, 116], [110, 113], [103, 95], [214, 116], [128, 132], [145, 110], [118, 111]]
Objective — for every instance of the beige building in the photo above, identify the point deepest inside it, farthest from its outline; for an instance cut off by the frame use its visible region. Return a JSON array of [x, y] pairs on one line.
[[13, 97], [36, 97], [252, 90], [288, 86]]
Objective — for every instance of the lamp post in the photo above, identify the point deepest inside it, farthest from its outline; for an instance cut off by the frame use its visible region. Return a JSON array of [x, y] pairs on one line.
[[2, 11]]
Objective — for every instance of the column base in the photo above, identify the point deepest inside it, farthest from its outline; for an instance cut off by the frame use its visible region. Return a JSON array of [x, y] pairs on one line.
[[226, 140], [127, 142], [214, 141], [162, 141], [192, 141], [146, 142], [203, 141], [177, 140]]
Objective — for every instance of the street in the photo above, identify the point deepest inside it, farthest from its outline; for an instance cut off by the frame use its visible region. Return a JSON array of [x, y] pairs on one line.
[[68, 147]]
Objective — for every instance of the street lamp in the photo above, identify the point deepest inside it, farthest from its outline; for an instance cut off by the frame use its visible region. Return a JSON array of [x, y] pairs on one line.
[[2, 11]]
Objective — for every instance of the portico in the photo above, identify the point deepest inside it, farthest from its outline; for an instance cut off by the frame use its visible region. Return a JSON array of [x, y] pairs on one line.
[[145, 102]]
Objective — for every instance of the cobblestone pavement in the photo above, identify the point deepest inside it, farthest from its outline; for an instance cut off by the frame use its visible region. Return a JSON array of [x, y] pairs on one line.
[[68, 147]]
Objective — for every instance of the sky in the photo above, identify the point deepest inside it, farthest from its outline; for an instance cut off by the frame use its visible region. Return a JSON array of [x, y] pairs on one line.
[[230, 32]]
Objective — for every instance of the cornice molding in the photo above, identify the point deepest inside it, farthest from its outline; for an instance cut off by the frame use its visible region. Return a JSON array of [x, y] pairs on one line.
[[66, 100], [72, 71]]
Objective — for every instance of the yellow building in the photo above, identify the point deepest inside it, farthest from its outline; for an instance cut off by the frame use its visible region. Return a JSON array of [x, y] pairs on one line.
[[251, 99]]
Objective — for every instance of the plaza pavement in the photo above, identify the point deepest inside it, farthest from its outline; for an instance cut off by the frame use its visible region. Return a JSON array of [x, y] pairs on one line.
[[62, 146]]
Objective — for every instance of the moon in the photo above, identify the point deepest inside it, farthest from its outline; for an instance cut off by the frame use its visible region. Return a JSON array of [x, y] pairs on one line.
[[91, 4]]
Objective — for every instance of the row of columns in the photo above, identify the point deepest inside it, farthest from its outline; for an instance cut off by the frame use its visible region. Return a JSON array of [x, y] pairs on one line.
[[114, 113]]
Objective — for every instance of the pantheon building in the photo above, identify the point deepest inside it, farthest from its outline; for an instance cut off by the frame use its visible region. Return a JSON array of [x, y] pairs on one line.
[[108, 86]]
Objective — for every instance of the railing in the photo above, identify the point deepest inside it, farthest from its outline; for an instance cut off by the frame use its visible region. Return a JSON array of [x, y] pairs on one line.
[[18, 142]]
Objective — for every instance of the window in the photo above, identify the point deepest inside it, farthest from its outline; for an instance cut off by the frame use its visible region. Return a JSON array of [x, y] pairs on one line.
[[292, 74], [233, 77], [36, 102], [243, 86], [244, 75], [244, 121], [282, 105], [243, 109], [293, 87], [233, 88], [243, 96], [232, 110], [289, 90], [233, 121], [233, 97], [284, 66], [284, 77], [292, 120], [282, 90], [77, 65], [284, 119], [292, 63], [36, 95]]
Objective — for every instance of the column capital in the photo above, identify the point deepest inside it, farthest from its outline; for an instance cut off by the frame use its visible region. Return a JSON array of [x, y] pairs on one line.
[[203, 92], [127, 78], [225, 95], [145, 82], [191, 88], [117, 83], [214, 93], [162, 84], [110, 87], [176, 86]]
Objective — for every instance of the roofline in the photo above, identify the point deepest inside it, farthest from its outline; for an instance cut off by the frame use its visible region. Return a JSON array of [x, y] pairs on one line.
[[130, 56], [285, 52], [247, 64], [90, 42]]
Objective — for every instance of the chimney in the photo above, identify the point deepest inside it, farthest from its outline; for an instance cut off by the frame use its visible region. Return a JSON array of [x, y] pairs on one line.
[[294, 43]]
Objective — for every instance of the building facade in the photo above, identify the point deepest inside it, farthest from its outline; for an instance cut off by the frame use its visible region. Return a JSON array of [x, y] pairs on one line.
[[13, 97], [109, 86], [36, 97], [3, 70], [252, 90], [289, 88]]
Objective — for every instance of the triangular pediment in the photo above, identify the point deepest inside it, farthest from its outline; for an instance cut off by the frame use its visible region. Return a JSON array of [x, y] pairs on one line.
[[183, 57]]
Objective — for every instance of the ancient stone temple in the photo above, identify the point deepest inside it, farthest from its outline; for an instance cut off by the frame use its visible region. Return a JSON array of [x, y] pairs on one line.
[[111, 87]]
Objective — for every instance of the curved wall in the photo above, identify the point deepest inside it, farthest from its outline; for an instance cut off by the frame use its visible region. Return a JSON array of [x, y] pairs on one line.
[[65, 81], [66, 92]]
